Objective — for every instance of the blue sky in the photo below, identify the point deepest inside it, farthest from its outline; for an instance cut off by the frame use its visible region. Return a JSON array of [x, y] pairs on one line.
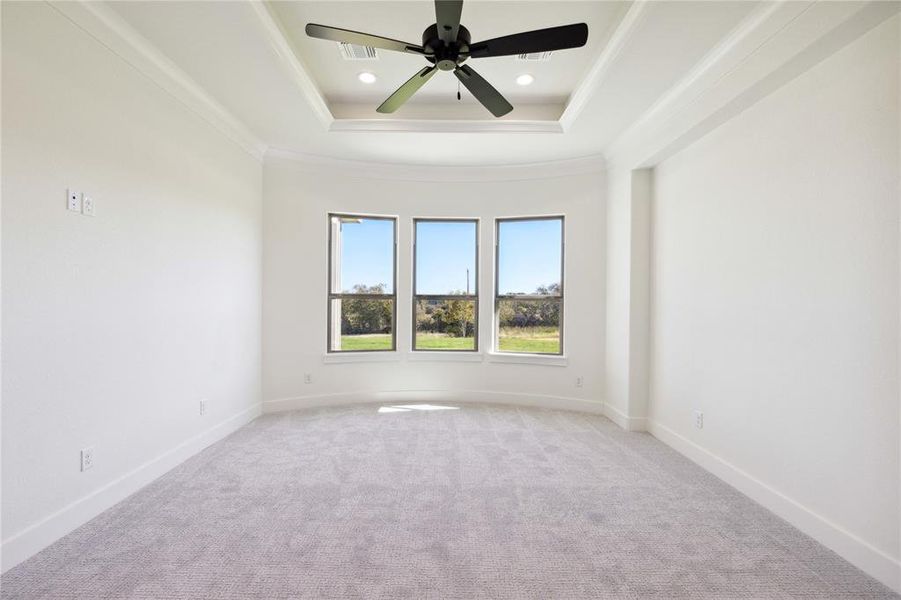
[[444, 251], [367, 253], [529, 255]]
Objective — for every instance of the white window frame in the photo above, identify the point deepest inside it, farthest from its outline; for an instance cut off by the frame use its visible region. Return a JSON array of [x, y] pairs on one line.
[[442, 297], [334, 281], [498, 297]]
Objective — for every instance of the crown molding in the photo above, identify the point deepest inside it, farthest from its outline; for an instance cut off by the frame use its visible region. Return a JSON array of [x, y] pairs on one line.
[[446, 126], [103, 24], [287, 54], [756, 21], [774, 44], [764, 22], [594, 164], [595, 78]]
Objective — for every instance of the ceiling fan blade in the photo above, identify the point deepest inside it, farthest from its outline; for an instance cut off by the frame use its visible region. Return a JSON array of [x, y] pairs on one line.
[[483, 91], [448, 13], [540, 40], [406, 91], [336, 34]]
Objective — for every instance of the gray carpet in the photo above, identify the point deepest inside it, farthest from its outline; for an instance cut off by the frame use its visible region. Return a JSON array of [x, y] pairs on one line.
[[479, 502]]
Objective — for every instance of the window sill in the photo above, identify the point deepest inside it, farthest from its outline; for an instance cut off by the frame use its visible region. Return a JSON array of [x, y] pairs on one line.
[[360, 357], [547, 360], [448, 356]]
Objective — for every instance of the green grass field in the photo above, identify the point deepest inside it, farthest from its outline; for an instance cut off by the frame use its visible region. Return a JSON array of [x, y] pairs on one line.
[[370, 341], [424, 341], [537, 340], [440, 341]]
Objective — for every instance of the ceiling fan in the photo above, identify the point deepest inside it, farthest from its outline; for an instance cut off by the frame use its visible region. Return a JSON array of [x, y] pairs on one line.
[[447, 45]]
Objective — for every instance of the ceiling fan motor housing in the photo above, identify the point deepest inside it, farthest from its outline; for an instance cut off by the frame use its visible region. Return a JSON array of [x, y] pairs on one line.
[[446, 56]]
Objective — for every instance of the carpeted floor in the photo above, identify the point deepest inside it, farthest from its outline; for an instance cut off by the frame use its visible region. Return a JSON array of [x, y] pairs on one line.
[[474, 502]]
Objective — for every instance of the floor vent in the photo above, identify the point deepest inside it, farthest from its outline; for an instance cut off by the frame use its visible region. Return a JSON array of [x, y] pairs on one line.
[[534, 56], [357, 52]]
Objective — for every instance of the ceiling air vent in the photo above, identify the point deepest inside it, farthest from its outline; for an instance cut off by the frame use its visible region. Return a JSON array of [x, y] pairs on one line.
[[534, 56], [357, 52]]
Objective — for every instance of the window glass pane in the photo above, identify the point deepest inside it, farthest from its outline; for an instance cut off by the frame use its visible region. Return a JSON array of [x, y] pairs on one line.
[[362, 255], [445, 325], [364, 324], [529, 256], [445, 258], [529, 325]]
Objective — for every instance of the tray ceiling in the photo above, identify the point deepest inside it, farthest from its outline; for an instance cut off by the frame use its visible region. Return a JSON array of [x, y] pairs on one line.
[[554, 80], [651, 71]]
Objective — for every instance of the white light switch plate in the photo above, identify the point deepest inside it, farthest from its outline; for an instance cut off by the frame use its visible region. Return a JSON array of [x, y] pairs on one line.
[[73, 200]]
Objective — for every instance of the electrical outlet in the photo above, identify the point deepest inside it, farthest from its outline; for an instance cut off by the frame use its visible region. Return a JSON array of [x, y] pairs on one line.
[[73, 200], [580, 381], [202, 406], [699, 419], [87, 205], [87, 458], [307, 378]]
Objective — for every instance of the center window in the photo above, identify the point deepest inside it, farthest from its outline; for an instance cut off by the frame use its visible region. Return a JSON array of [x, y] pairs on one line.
[[445, 280]]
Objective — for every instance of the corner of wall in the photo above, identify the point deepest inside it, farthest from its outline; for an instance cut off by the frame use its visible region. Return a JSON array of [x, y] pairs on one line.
[[628, 295]]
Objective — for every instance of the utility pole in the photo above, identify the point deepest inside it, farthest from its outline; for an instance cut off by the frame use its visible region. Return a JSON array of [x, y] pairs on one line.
[[467, 282]]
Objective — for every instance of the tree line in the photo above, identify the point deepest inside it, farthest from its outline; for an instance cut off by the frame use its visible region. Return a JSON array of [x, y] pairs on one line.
[[455, 318]]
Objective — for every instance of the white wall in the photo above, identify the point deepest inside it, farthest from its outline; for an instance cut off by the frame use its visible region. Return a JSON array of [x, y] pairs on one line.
[[775, 290], [114, 326], [297, 198], [627, 290], [618, 256]]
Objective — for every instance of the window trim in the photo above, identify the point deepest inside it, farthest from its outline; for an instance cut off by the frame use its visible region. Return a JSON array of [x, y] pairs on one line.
[[471, 297], [331, 295], [498, 296]]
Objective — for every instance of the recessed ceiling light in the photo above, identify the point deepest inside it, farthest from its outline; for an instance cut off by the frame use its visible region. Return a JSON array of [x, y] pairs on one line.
[[525, 79], [366, 77]]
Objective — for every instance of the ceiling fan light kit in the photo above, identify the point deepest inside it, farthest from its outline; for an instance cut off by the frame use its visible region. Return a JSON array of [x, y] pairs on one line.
[[447, 44]]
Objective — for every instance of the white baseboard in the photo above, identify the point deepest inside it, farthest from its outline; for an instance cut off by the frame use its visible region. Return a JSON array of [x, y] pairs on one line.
[[623, 420], [460, 396], [35, 538], [858, 552]]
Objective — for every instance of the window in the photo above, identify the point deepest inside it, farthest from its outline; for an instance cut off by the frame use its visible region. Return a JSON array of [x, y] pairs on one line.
[[529, 285], [445, 279], [362, 300]]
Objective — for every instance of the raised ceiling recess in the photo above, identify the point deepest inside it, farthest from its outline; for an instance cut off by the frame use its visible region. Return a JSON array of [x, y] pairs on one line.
[[652, 76], [447, 44], [552, 49]]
